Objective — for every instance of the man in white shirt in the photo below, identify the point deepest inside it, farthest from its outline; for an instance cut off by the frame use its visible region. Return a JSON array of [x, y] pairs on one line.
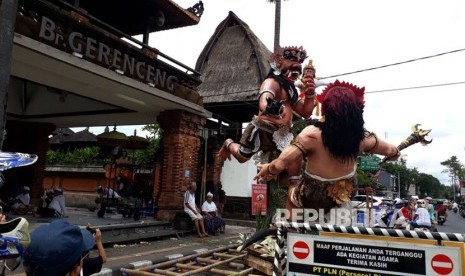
[[421, 217], [193, 211]]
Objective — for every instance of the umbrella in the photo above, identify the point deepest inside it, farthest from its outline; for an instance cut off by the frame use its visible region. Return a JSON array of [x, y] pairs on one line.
[[112, 138]]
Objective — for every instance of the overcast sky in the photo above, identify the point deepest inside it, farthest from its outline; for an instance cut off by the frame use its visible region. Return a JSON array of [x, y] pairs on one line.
[[345, 36]]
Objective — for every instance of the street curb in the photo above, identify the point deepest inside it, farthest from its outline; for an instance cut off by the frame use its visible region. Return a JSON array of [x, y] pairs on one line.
[[116, 270]]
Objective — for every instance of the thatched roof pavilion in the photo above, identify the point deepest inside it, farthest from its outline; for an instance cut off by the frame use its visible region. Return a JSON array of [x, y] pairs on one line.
[[233, 64]]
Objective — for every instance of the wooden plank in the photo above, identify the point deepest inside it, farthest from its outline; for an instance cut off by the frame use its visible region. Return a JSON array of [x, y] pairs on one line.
[[229, 272], [259, 264], [258, 253]]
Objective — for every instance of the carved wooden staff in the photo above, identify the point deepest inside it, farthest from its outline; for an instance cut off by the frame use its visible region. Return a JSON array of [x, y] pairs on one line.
[[418, 136]]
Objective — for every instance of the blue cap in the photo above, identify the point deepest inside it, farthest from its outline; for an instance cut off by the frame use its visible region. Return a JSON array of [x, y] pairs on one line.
[[55, 248]]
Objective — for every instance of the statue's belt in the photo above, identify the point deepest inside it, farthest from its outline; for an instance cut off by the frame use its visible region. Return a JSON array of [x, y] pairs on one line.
[[339, 191]]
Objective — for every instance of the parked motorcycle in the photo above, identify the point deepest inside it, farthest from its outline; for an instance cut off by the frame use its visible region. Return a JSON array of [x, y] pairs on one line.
[[462, 210]]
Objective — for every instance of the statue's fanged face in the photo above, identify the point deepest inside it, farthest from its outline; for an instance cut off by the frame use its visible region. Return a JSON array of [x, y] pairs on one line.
[[289, 62], [291, 70]]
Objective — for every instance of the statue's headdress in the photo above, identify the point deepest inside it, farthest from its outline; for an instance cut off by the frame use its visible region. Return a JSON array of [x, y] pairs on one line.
[[291, 53], [340, 88], [310, 66]]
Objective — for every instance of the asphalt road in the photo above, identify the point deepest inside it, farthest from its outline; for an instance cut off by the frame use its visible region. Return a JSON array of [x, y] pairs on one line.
[[454, 224]]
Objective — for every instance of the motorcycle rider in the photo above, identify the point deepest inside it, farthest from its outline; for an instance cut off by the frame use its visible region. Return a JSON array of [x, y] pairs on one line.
[[421, 219], [455, 207], [441, 210], [404, 214]]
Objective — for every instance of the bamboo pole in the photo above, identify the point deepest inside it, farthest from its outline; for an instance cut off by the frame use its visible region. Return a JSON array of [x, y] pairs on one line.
[[206, 260], [223, 255], [211, 261], [188, 266], [236, 265]]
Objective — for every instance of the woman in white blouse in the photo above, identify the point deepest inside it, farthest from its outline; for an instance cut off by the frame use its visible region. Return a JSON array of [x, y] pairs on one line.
[[213, 222]]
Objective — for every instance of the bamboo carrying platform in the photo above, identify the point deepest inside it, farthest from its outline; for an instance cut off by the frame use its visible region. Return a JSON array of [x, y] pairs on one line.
[[219, 261]]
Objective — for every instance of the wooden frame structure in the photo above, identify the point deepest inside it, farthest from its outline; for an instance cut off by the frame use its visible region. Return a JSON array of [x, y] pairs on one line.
[[219, 261]]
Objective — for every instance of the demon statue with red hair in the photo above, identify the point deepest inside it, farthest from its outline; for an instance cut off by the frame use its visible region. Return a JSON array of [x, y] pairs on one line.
[[278, 100], [330, 146]]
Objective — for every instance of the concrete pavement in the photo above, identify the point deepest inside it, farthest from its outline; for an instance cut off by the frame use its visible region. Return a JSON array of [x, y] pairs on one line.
[[132, 244]]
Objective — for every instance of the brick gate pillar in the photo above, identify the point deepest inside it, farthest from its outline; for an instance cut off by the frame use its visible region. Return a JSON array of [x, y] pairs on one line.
[[181, 145]]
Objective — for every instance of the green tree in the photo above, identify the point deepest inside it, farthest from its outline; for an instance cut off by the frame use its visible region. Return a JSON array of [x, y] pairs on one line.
[[82, 156], [456, 171], [454, 166], [429, 185], [146, 157]]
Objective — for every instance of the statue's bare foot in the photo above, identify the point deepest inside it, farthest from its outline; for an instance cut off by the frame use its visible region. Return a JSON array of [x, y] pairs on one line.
[[224, 152]]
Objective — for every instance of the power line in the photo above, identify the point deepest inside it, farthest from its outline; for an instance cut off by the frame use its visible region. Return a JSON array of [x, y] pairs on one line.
[[416, 87], [375, 91], [393, 64]]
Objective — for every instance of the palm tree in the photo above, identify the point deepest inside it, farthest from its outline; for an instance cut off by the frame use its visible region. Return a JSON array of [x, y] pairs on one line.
[[277, 22], [8, 9]]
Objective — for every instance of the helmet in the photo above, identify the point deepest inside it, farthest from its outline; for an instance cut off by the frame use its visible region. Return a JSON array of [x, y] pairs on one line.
[[428, 198]]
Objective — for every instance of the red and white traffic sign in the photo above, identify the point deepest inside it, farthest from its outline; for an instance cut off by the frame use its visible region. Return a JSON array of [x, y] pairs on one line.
[[442, 264], [301, 250]]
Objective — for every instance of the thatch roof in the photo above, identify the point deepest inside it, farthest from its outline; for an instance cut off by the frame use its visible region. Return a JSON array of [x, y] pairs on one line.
[[81, 136], [233, 64]]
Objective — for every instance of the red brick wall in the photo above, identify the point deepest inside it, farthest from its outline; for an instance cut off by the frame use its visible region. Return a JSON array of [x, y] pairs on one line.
[[181, 145]]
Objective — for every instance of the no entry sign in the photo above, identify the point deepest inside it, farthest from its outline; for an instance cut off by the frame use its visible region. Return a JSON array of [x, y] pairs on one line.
[[301, 250], [442, 264]]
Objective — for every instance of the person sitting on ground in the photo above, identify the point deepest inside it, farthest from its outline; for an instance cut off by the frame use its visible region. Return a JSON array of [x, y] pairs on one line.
[[92, 265], [45, 210], [421, 217], [57, 249], [58, 203], [20, 204], [55, 208], [213, 222], [193, 211]]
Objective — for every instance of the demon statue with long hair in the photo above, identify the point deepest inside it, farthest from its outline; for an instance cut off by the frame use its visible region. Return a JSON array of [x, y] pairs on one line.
[[330, 146]]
